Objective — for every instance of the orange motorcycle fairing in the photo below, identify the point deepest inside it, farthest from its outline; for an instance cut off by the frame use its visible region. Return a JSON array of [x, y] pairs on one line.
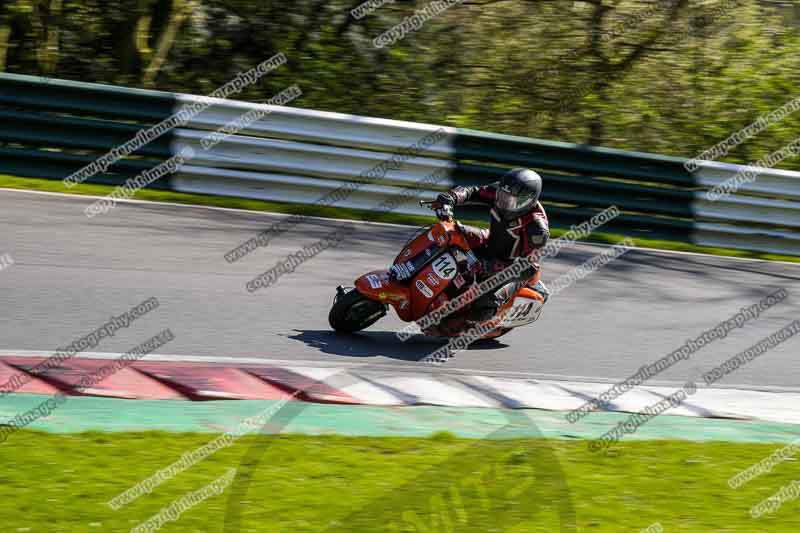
[[426, 289], [441, 234], [527, 292], [377, 285], [436, 234]]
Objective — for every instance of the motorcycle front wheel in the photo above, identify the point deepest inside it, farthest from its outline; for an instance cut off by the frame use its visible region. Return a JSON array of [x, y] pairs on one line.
[[352, 311]]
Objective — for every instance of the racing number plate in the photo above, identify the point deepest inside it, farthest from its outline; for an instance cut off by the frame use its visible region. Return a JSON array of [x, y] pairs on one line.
[[524, 311]]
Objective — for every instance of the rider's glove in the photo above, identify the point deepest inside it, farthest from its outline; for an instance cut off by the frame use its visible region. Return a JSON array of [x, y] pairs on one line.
[[529, 267]]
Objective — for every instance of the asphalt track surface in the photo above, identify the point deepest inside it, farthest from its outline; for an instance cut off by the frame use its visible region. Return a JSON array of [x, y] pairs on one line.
[[71, 273]]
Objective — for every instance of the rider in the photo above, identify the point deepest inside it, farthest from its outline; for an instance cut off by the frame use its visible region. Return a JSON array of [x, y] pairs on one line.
[[518, 229]]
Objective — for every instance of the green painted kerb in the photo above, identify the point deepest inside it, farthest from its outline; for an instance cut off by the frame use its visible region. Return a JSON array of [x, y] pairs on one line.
[[79, 414]]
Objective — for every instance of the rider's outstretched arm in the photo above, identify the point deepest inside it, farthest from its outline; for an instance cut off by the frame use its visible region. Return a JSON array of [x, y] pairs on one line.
[[483, 194]]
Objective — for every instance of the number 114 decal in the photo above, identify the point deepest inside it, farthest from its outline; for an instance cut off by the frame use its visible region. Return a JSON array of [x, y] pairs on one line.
[[445, 266]]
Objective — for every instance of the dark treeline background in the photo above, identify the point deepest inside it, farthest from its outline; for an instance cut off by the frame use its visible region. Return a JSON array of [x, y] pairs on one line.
[[671, 76]]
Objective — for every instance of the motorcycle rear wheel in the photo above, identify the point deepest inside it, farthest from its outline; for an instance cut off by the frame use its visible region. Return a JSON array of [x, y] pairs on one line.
[[353, 311]]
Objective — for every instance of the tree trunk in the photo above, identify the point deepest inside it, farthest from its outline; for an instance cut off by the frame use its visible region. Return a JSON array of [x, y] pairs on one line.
[[126, 47], [597, 131], [49, 48], [180, 10], [5, 33]]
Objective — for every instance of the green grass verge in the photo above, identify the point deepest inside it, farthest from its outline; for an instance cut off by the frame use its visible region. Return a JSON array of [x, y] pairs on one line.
[[13, 182], [61, 483]]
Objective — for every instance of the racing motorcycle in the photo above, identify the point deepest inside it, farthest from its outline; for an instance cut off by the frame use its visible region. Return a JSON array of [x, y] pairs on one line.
[[434, 267]]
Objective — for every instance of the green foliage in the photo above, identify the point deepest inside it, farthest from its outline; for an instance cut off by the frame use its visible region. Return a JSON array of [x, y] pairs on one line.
[[673, 77]]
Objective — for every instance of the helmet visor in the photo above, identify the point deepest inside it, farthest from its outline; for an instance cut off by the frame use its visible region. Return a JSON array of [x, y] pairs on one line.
[[513, 204], [505, 201]]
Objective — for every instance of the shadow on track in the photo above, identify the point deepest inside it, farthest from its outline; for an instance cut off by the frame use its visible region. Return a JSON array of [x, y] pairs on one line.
[[379, 343]]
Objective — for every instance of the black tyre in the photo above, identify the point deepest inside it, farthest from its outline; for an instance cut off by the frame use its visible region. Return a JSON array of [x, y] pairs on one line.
[[352, 311]]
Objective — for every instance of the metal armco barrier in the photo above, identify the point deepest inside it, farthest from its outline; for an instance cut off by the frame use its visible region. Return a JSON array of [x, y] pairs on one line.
[[51, 128]]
